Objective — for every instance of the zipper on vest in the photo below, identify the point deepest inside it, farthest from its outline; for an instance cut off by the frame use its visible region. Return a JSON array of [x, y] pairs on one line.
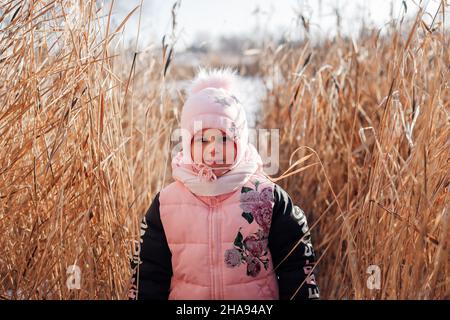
[[218, 256], [215, 254], [211, 244]]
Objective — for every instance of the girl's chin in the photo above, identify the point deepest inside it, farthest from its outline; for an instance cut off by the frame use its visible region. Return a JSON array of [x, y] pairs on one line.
[[219, 165], [219, 172]]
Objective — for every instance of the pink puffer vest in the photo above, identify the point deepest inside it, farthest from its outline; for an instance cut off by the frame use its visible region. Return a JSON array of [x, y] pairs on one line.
[[219, 250]]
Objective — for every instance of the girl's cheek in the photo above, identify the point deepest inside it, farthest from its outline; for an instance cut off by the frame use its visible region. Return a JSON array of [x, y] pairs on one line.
[[196, 152], [229, 152]]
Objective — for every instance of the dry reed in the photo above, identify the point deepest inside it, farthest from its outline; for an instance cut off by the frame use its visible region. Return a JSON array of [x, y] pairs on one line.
[[84, 146]]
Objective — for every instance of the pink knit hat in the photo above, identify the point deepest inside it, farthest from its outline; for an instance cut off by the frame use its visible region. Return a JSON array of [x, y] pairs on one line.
[[212, 103]]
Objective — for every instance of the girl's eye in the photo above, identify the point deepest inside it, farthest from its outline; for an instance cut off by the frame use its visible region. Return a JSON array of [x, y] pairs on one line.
[[206, 140]]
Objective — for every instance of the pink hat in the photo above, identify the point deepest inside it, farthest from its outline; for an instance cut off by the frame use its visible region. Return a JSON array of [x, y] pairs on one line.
[[212, 103]]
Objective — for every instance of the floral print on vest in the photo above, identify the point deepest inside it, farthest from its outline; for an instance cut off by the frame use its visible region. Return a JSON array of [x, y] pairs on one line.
[[253, 249]]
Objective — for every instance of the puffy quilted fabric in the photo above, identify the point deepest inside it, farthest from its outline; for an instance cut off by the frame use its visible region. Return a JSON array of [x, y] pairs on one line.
[[211, 244]]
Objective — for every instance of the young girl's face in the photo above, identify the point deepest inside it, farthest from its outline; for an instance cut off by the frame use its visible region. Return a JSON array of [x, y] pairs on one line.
[[213, 148]]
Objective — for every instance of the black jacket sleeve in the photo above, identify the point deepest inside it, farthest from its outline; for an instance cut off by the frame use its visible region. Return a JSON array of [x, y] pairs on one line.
[[289, 227], [152, 263]]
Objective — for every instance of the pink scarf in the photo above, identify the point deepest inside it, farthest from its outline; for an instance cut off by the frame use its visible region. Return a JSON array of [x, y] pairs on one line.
[[201, 180]]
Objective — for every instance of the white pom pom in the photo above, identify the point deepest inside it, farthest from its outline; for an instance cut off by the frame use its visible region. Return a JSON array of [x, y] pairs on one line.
[[216, 78]]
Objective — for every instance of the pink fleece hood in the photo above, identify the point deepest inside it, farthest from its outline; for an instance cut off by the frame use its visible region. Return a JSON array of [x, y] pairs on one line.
[[212, 102]]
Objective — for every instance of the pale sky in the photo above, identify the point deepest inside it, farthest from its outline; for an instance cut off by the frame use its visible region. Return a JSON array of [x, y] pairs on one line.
[[219, 17]]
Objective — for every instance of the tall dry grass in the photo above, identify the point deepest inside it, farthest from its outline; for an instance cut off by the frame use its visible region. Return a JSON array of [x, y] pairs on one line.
[[85, 127], [80, 151], [368, 123]]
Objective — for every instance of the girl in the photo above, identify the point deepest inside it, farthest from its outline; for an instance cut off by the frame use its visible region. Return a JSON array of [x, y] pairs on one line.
[[222, 229]]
